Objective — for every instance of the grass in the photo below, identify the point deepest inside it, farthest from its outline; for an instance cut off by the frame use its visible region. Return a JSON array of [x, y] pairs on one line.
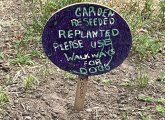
[[145, 43], [22, 58], [146, 46], [147, 10], [1, 55], [124, 116], [102, 79], [143, 80], [145, 117], [29, 82], [162, 11], [3, 96], [160, 109], [162, 77], [152, 99], [126, 83], [69, 76], [2, 111]]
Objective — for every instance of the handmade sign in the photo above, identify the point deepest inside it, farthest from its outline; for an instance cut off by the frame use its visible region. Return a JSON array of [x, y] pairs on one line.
[[86, 39]]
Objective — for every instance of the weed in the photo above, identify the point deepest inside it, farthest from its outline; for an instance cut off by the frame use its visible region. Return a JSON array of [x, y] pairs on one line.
[[152, 99], [160, 109], [145, 46], [143, 26], [1, 55], [124, 116], [147, 10], [22, 58], [29, 81], [2, 111], [37, 54], [96, 78], [143, 80], [102, 80], [162, 77], [147, 98], [3, 96], [145, 117], [106, 81], [69, 76], [162, 11], [8, 79], [126, 83]]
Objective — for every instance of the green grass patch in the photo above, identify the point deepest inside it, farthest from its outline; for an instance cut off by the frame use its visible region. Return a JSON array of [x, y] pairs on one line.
[[143, 80], [1, 55], [145, 117], [145, 45], [29, 81], [22, 58], [3, 95], [160, 109], [162, 11], [151, 99], [162, 77]]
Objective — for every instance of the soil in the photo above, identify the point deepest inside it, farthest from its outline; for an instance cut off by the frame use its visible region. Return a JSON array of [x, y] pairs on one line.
[[52, 98]]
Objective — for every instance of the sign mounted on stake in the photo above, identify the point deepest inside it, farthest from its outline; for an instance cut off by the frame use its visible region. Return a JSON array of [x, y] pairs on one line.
[[86, 39]]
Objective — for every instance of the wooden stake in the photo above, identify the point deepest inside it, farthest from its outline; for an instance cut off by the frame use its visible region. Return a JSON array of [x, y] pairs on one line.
[[80, 93]]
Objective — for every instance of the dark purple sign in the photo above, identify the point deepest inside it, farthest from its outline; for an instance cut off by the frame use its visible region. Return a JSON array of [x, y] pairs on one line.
[[86, 39]]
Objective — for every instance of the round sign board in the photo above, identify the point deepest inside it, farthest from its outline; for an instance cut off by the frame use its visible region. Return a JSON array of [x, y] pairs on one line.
[[86, 39]]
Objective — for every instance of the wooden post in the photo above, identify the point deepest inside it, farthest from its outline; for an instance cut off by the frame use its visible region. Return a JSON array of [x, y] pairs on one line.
[[80, 93]]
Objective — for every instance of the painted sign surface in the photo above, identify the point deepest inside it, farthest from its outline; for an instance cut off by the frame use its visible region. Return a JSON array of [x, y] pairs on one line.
[[86, 39]]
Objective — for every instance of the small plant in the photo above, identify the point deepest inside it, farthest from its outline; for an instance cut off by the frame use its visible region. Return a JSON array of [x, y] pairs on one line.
[[147, 98], [143, 80], [1, 55], [147, 10], [126, 84], [151, 99], [8, 79], [98, 79], [144, 46], [37, 54], [22, 58], [162, 77], [124, 116], [68, 76], [102, 80], [162, 11], [3, 96], [106, 81], [2, 111], [29, 81], [160, 109], [145, 117]]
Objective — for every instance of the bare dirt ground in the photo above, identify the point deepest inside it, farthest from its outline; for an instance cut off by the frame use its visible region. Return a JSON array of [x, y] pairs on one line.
[[53, 97]]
